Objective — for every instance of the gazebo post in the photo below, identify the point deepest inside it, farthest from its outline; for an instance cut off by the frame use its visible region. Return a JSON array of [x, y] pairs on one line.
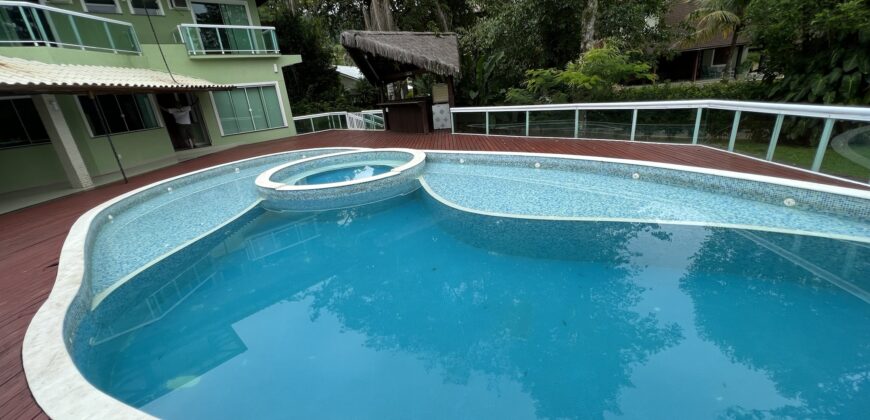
[[450, 95]]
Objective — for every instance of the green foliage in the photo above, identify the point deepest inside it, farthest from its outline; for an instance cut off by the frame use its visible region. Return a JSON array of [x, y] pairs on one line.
[[313, 85], [735, 90], [477, 85], [594, 75], [814, 51]]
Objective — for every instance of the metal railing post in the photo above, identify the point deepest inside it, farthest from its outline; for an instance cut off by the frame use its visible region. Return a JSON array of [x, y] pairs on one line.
[[311, 120], [487, 123], [276, 50], [823, 144], [109, 36], [633, 123], [774, 136], [452, 124], [27, 24], [527, 123], [734, 128], [75, 29], [697, 131], [577, 123], [220, 42]]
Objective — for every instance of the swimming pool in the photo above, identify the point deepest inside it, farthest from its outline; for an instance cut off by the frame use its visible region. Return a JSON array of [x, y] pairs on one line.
[[507, 286]]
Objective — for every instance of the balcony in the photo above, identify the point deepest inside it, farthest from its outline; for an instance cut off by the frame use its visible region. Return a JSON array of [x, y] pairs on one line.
[[202, 40], [30, 24]]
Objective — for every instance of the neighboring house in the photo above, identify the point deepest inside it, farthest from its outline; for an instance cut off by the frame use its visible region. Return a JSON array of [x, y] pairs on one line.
[[349, 76], [698, 60], [66, 62]]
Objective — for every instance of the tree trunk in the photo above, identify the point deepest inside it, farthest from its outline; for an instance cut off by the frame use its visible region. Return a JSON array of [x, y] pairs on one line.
[[441, 18], [379, 16], [589, 16], [732, 50]]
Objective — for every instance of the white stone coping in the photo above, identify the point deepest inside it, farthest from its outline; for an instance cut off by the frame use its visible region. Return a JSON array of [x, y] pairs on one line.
[[61, 390], [265, 179], [52, 376]]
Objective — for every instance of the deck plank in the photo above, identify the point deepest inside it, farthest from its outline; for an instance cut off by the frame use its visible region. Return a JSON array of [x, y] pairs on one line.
[[32, 237]]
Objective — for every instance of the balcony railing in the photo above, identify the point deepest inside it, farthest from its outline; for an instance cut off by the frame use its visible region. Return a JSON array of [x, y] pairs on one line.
[[832, 140], [30, 24], [363, 120], [228, 39]]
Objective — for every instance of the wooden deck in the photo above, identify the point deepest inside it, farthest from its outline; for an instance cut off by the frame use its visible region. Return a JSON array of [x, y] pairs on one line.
[[32, 237]]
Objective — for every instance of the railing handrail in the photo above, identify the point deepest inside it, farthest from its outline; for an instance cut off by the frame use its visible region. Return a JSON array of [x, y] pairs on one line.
[[840, 112], [63, 11], [322, 114], [202, 25]]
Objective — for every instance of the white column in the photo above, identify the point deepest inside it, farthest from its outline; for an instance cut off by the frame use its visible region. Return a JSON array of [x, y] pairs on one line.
[[63, 141]]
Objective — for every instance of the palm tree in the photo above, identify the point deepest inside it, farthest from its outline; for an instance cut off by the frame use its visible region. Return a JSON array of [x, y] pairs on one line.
[[713, 18]]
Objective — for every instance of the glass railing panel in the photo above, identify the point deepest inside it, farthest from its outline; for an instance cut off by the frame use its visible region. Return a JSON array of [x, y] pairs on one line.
[[753, 135], [92, 33], [226, 39], [303, 126], [469, 122], [322, 123], [665, 125], [716, 127], [25, 24], [798, 141], [605, 124], [848, 151], [507, 123], [551, 123]]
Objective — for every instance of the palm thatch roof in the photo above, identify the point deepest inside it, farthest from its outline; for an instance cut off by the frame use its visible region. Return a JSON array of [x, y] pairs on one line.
[[389, 56]]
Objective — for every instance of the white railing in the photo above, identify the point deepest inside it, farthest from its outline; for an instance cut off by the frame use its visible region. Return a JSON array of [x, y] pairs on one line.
[[30, 24], [228, 39], [622, 123], [363, 120]]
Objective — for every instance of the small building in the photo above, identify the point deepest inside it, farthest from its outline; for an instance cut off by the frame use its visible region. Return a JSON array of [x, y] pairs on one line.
[[86, 88], [349, 77], [697, 60]]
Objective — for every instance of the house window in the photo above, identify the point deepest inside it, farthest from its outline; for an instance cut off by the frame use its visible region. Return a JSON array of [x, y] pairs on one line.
[[721, 56], [101, 6], [247, 109], [178, 4], [21, 123], [141, 7], [123, 113]]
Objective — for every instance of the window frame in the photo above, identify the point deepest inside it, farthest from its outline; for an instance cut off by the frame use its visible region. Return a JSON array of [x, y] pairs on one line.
[[133, 12], [30, 142], [235, 2], [246, 86], [174, 7], [87, 122], [116, 12]]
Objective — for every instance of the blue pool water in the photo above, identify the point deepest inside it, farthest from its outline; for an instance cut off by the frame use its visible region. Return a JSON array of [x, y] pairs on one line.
[[345, 174], [411, 309]]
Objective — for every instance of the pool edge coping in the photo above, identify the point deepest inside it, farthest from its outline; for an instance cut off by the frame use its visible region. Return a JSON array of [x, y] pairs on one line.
[[61, 391]]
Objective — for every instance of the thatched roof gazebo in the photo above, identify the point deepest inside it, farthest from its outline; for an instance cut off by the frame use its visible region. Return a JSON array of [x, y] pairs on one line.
[[387, 57]]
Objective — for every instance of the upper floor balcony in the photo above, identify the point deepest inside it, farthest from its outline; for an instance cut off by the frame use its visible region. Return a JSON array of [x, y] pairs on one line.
[[30, 24], [204, 39]]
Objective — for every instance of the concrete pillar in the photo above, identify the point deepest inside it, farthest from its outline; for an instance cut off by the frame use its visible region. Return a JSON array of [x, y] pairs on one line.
[[63, 141]]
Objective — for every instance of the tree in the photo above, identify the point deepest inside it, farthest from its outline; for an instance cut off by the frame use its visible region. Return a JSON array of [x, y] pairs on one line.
[[593, 76], [714, 18], [815, 51]]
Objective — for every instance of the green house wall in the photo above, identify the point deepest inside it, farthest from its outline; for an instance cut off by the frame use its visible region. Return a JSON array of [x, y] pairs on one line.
[[152, 148]]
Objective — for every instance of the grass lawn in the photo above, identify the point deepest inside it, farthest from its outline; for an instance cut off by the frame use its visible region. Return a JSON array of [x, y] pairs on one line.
[[802, 157]]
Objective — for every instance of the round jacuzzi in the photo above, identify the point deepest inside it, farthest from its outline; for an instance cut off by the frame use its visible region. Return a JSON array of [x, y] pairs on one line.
[[340, 180]]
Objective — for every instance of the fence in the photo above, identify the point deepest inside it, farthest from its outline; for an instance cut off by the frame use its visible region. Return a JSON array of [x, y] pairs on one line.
[[834, 140], [363, 120]]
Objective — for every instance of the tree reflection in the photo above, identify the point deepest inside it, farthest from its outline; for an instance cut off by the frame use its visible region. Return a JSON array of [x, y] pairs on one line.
[[545, 304], [758, 299]]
